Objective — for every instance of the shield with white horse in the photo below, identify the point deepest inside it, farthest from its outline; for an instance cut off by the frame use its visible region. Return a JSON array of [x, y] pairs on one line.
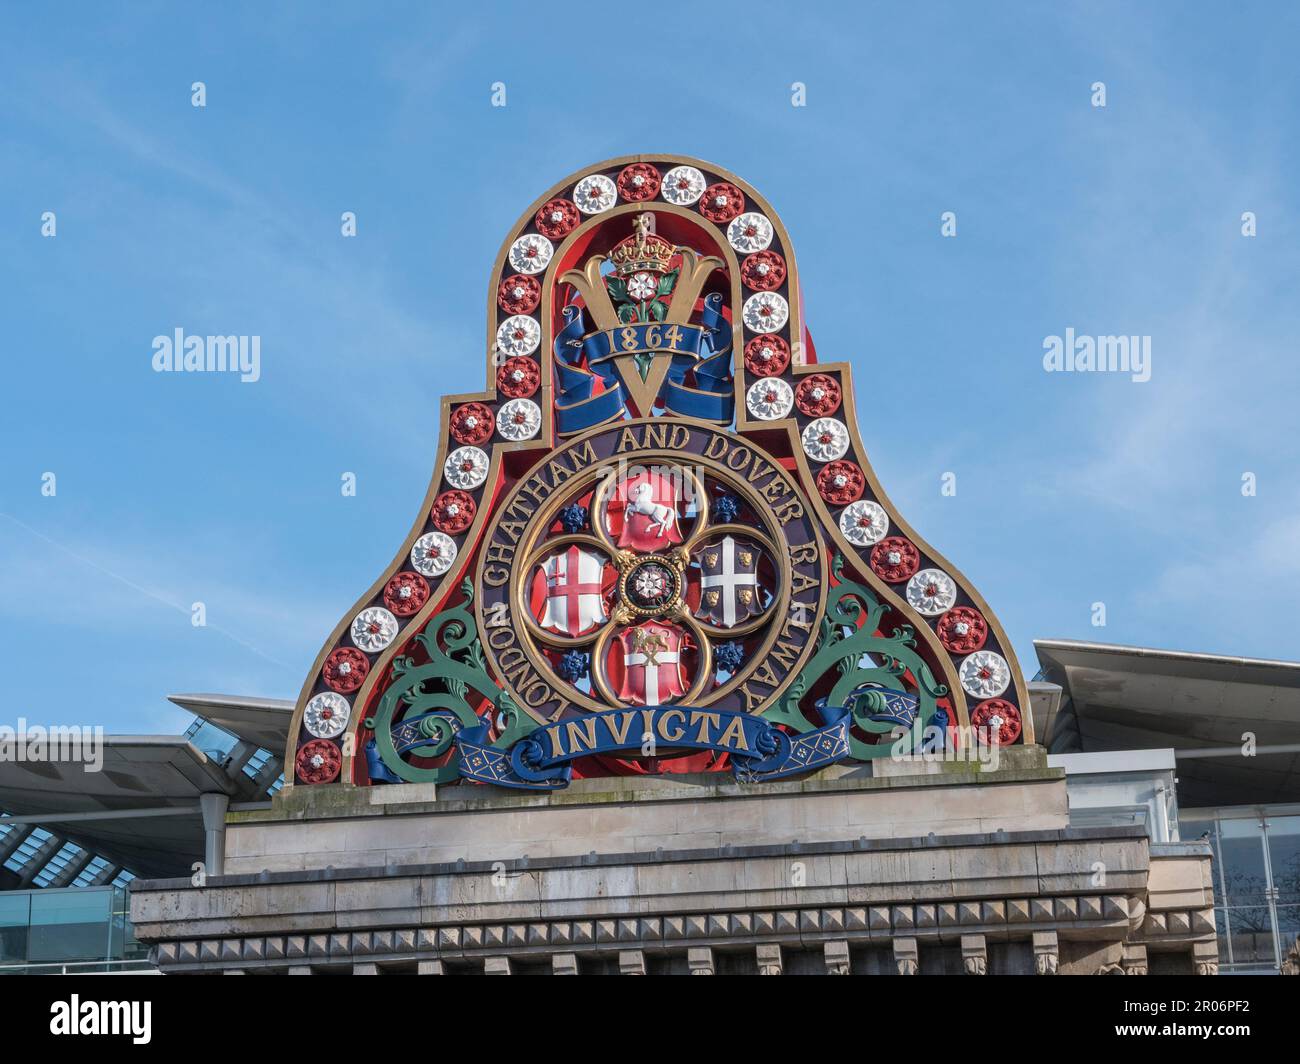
[[650, 518]]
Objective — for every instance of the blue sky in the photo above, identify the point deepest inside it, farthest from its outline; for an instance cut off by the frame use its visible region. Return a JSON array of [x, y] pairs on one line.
[[1071, 488]]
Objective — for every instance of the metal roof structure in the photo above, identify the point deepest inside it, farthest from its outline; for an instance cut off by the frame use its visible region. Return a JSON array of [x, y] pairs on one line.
[[138, 810], [1232, 722], [261, 721]]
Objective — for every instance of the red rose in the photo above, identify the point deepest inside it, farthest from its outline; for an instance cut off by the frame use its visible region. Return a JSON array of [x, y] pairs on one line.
[[472, 423], [763, 271], [767, 355], [722, 202], [519, 294], [638, 182]]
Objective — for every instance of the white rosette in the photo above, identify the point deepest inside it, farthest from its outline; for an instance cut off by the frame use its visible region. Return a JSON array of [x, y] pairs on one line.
[[642, 285], [518, 335], [683, 185], [326, 715], [466, 468], [864, 523], [985, 674], [825, 439], [433, 553], [373, 629], [594, 194], [765, 312], [749, 232], [769, 398], [519, 419], [931, 592], [531, 253]]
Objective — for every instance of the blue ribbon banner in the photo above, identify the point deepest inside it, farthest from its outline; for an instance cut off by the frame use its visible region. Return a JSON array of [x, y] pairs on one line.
[[704, 348], [759, 751]]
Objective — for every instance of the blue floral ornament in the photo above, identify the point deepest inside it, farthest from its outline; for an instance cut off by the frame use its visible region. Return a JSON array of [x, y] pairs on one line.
[[573, 517], [573, 665], [725, 509], [729, 656]]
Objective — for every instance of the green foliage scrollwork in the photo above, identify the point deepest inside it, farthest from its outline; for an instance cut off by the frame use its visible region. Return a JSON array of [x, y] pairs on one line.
[[431, 702], [842, 648]]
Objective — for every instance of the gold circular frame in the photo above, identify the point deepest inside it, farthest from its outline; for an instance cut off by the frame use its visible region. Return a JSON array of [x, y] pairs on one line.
[[535, 546], [533, 559], [762, 539], [600, 499], [703, 647]]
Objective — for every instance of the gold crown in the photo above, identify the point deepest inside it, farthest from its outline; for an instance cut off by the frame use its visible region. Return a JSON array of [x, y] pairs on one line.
[[643, 250]]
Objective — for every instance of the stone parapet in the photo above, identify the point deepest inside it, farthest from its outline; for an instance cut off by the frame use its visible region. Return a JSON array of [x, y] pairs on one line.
[[341, 826]]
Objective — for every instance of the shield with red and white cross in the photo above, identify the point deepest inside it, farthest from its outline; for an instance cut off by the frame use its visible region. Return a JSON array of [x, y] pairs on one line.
[[653, 673], [650, 518], [574, 601]]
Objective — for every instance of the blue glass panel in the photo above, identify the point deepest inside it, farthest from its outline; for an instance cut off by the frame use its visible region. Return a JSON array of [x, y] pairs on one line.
[[1241, 845], [15, 909], [1284, 856], [69, 925]]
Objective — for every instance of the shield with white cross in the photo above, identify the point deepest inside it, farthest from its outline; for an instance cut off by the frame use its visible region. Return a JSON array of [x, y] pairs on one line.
[[652, 664], [729, 588]]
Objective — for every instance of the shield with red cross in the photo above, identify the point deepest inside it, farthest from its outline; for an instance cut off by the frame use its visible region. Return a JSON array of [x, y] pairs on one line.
[[574, 600], [650, 518], [652, 669]]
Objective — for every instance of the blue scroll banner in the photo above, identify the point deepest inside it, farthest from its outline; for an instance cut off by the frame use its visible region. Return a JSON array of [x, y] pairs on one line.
[[759, 751], [704, 348]]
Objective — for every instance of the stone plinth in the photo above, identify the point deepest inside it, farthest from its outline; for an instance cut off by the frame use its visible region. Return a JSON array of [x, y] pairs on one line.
[[954, 869]]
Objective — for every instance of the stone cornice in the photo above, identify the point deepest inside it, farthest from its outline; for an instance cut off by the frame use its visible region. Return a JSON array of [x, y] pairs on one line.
[[1104, 917]]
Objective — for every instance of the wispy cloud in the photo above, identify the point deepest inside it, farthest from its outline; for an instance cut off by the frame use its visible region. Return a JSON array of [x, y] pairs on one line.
[[148, 589]]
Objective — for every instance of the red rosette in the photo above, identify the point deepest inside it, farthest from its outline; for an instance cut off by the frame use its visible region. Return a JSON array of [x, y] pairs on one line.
[[345, 669], [405, 593], [895, 559], [519, 377], [318, 761], [767, 355], [962, 630], [1000, 717], [722, 202], [841, 482], [763, 271], [453, 512], [519, 294], [557, 218], [471, 423], [817, 395], [638, 182]]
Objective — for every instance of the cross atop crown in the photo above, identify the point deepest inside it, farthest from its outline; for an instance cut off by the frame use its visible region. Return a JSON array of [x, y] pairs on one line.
[[643, 250]]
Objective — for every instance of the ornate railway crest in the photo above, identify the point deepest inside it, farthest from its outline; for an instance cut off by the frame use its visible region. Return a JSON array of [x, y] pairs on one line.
[[685, 530], [655, 543]]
